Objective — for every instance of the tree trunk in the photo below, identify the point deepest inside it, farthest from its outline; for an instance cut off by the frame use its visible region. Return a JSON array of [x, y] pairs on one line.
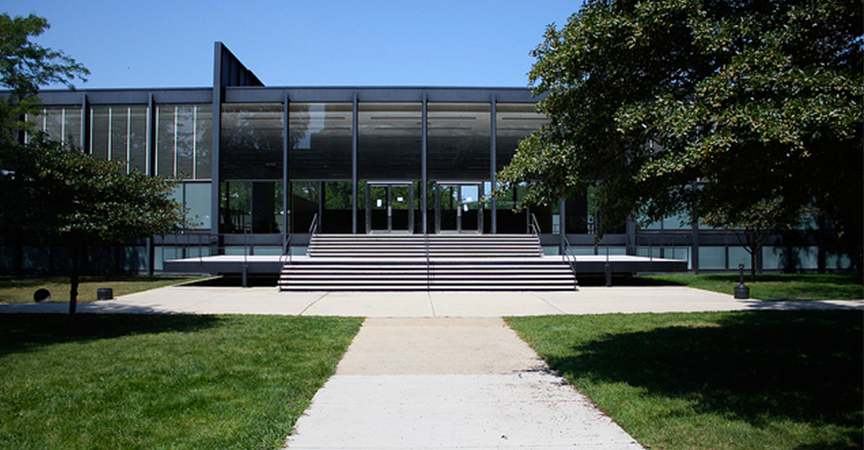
[[73, 291], [753, 264], [74, 277]]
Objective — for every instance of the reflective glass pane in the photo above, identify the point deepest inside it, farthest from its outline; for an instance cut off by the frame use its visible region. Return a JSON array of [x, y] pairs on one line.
[[203, 141], [266, 207], [251, 141], [389, 137], [99, 131], [459, 137], [198, 204], [184, 135], [338, 207], [185, 140], [303, 203], [60, 123], [513, 122], [119, 134], [235, 207], [320, 140], [165, 140], [712, 258], [738, 255], [137, 145]]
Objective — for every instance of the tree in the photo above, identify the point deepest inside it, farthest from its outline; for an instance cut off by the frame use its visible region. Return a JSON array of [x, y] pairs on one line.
[[705, 107], [65, 195], [82, 201], [24, 67]]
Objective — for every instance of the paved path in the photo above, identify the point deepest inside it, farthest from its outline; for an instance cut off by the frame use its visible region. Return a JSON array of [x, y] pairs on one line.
[[588, 300], [432, 383]]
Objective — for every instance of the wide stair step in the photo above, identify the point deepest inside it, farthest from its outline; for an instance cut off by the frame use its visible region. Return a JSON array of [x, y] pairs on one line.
[[435, 262]]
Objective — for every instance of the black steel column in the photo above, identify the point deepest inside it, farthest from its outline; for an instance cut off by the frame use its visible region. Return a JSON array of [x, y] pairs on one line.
[[215, 157], [354, 180], [493, 143], [286, 213], [85, 125], [151, 171], [424, 175]]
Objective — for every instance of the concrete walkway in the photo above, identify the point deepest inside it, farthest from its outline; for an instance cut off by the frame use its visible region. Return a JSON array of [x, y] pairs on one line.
[[433, 383], [588, 300]]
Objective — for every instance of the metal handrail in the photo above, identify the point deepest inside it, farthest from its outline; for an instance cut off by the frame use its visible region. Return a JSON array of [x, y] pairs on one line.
[[533, 225], [569, 259], [428, 262], [313, 228], [286, 250]]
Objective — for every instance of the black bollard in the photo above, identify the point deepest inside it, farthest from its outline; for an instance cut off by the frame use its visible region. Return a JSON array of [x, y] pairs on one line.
[[742, 292]]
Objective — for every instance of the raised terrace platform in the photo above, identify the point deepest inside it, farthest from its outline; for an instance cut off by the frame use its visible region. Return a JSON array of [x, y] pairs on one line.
[[418, 262]]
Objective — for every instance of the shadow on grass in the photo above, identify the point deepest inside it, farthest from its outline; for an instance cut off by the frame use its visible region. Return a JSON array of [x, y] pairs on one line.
[[680, 279], [35, 281], [756, 367], [27, 332]]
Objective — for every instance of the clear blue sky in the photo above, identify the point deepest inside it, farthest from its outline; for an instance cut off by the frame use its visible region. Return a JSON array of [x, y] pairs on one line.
[[169, 43]]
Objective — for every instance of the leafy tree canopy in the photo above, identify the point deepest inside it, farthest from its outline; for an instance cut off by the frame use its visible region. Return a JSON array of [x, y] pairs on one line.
[[70, 195], [710, 107], [26, 65]]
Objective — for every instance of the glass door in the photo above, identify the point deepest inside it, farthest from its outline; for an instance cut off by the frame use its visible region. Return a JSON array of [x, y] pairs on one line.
[[389, 207], [458, 208]]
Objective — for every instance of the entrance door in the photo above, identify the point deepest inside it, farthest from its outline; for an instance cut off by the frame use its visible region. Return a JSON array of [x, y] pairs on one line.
[[458, 208], [389, 207]]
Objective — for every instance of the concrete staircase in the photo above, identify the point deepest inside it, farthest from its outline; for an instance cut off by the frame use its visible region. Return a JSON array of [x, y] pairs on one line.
[[402, 262]]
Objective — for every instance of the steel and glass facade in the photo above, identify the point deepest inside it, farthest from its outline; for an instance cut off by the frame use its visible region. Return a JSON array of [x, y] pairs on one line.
[[259, 165]]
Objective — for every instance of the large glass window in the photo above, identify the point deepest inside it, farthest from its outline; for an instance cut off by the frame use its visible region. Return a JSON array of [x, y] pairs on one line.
[[390, 136], [320, 140], [252, 141], [459, 136], [60, 123], [251, 207], [712, 258], [119, 133], [195, 198], [184, 136], [513, 122], [337, 207], [305, 200], [509, 220]]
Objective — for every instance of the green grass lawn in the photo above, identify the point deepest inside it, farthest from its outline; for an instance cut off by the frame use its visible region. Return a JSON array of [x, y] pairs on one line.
[[773, 287], [20, 289], [161, 382], [752, 380]]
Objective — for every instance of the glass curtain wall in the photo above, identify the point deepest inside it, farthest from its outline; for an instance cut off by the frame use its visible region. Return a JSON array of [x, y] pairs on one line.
[[514, 122], [320, 147], [389, 140], [251, 189], [60, 123], [459, 137], [184, 144], [184, 136], [119, 133]]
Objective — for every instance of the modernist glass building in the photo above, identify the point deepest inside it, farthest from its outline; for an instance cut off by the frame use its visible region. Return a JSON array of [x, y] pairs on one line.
[[260, 165]]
